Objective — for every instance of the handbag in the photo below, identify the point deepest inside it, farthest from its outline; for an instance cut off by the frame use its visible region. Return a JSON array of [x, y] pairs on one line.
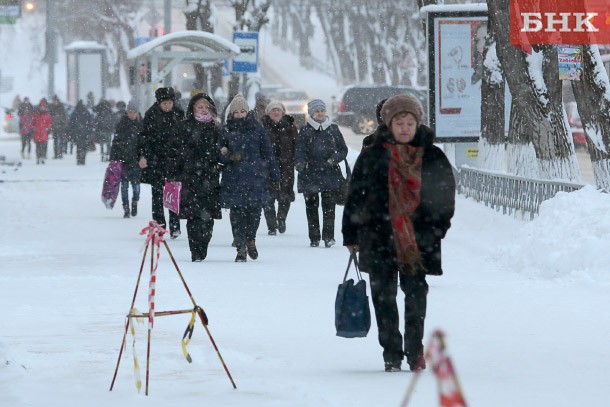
[[341, 193], [171, 196], [352, 312], [112, 183]]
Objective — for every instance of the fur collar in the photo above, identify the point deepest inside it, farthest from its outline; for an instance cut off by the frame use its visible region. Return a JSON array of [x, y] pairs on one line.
[[319, 126]]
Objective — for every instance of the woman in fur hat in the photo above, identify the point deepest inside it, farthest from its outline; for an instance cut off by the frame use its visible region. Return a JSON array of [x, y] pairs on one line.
[[283, 135], [195, 164], [319, 150], [400, 203], [245, 151]]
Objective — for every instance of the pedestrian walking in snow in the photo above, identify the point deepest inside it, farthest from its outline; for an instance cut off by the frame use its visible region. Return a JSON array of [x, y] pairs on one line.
[[42, 127], [245, 151], [194, 162], [125, 149], [26, 127], [161, 123], [319, 150], [59, 119], [400, 203], [80, 130], [105, 124], [283, 135]]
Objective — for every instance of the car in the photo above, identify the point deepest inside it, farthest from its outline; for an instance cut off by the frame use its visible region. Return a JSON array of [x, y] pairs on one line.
[[355, 106], [578, 132], [11, 121], [295, 102]]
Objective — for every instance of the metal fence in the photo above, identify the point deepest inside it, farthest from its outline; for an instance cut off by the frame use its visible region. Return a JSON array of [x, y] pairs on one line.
[[512, 195]]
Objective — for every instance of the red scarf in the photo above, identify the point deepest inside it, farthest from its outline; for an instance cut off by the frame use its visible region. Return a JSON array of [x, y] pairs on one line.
[[404, 179]]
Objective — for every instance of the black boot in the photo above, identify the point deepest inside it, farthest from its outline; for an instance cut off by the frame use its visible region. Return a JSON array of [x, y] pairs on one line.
[[241, 255], [134, 208], [126, 211], [252, 252]]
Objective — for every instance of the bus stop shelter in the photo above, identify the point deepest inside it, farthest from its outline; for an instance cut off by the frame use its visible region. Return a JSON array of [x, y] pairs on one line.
[[152, 62]]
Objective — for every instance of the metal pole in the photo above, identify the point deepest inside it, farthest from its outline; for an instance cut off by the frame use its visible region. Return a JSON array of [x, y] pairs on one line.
[[51, 36], [167, 25]]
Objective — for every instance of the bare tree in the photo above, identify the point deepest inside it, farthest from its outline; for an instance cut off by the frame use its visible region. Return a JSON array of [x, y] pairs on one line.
[[537, 119]]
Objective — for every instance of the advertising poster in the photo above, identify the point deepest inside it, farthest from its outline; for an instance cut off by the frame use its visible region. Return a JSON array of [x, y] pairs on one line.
[[459, 43], [570, 59]]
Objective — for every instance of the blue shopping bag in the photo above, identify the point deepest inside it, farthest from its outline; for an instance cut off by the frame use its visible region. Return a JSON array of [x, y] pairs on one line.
[[352, 312]]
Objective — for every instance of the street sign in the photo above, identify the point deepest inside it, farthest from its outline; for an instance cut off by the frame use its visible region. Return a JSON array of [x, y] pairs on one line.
[[247, 61], [10, 10]]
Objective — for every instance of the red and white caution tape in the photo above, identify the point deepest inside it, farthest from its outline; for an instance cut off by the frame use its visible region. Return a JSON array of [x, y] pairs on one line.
[[154, 234]]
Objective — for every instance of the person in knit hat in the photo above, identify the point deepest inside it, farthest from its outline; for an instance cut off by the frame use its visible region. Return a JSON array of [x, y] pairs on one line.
[[248, 163], [400, 202], [283, 134], [319, 150]]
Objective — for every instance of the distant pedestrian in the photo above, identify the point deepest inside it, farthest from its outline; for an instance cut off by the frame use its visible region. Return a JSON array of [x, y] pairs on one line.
[[125, 149], [59, 119], [162, 122], [249, 163], [283, 135], [26, 127], [80, 130], [42, 127], [319, 150], [105, 124]]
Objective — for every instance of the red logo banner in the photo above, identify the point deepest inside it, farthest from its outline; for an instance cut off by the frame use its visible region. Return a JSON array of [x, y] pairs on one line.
[[559, 22]]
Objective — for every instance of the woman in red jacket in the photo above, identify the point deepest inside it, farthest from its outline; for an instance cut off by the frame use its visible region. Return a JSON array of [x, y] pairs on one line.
[[42, 125]]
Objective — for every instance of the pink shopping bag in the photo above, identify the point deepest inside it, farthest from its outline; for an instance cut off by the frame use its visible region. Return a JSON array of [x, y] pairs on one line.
[[171, 196]]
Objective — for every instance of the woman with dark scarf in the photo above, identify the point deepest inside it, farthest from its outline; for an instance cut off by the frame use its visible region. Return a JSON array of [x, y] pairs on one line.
[[400, 203], [194, 163]]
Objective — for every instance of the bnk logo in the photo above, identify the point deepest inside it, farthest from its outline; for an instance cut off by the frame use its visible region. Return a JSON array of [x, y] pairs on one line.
[[554, 22]]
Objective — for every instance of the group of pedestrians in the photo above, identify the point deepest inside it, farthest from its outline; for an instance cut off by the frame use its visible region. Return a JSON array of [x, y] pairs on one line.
[[399, 205], [80, 128], [246, 165]]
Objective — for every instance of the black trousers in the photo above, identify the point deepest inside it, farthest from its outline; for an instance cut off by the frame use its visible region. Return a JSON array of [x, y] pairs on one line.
[[158, 211], [312, 203], [272, 218], [245, 221], [199, 230], [384, 289]]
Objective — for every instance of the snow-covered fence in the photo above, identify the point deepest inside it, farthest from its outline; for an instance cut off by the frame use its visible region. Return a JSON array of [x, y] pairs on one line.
[[509, 193]]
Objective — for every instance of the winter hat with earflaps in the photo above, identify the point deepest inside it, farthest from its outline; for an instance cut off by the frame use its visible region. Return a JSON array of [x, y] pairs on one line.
[[238, 103], [402, 103], [274, 104]]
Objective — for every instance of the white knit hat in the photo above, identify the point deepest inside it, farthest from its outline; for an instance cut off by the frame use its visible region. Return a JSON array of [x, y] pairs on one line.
[[238, 103], [273, 105]]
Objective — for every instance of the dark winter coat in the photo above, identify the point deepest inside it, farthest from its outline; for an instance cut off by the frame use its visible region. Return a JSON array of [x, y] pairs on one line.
[[59, 118], [248, 164], [366, 219], [158, 128], [319, 150], [193, 162], [283, 137], [81, 126], [105, 122], [125, 147]]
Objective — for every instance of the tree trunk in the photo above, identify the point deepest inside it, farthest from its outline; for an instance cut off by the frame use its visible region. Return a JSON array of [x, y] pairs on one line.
[[539, 104], [492, 144], [594, 110]]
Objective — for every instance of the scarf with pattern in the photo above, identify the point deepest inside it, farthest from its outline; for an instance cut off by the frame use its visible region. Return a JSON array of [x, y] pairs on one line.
[[404, 178]]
